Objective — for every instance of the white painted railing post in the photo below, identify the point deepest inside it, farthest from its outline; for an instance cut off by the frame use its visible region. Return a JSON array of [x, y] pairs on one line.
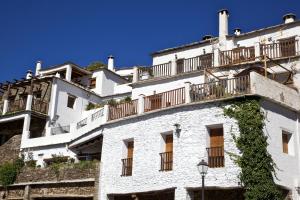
[[29, 102], [216, 57], [5, 106], [26, 127], [141, 104], [105, 113], [69, 73], [135, 77], [173, 67], [297, 45], [257, 51], [187, 87]]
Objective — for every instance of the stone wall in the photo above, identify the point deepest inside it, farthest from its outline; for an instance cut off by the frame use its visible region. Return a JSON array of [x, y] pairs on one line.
[[48, 174], [70, 181], [10, 150]]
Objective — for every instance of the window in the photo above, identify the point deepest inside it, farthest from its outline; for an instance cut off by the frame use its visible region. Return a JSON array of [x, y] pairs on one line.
[[166, 158], [92, 83], [285, 141], [127, 162], [71, 101], [216, 149]]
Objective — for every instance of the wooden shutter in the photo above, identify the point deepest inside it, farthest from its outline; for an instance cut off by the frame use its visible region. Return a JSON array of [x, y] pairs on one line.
[[130, 147], [93, 83], [285, 142], [169, 143], [156, 101], [216, 137]]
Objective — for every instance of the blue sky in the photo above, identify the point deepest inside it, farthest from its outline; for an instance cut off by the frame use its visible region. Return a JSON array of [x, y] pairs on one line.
[[83, 31]]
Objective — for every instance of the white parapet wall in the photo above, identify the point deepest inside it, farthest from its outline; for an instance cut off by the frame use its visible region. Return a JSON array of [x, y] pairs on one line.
[[274, 91]]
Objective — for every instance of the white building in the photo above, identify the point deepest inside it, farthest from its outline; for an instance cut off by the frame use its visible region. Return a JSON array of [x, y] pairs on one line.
[[150, 146]]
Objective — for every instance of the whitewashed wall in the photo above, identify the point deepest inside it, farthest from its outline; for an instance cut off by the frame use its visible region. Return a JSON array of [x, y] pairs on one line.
[[189, 149]]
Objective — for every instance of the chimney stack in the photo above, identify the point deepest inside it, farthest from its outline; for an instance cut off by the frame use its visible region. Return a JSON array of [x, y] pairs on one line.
[[223, 23], [288, 18], [110, 63], [29, 75], [38, 67], [237, 31]]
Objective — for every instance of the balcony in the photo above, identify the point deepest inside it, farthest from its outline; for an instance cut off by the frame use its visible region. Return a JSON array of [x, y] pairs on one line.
[[215, 157], [16, 105], [166, 161], [126, 167], [123, 110], [237, 56], [220, 89], [182, 66], [283, 48], [40, 106], [165, 99]]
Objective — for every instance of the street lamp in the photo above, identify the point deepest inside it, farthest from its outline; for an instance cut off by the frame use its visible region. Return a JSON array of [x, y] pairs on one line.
[[202, 168]]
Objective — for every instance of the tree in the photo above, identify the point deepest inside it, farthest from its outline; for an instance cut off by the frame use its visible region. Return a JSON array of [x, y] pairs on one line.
[[95, 66]]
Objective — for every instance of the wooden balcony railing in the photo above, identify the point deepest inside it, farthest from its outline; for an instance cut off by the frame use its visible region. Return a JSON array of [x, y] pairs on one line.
[[123, 110], [16, 105], [196, 63], [280, 50], [166, 161], [215, 157], [127, 167], [237, 56], [40, 106], [165, 99], [60, 130], [221, 89], [154, 71]]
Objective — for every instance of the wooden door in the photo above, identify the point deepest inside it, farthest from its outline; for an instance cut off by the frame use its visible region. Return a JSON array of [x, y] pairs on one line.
[[180, 66], [285, 142], [287, 47], [169, 143], [130, 147], [216, 137], [156, 102]]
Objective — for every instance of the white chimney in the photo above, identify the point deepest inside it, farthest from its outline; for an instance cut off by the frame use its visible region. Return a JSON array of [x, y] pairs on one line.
[[110, 63], [29, 75], [237, 31], [288, 18], [223, 23], [38, 67]]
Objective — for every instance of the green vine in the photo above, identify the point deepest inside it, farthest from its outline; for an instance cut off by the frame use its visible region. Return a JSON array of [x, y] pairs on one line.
[[257, 165]]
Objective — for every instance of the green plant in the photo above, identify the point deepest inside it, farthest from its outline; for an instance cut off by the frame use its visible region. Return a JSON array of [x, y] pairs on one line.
[[112, 102], [8, 174], [96, 65], [30, 163], [85, 164], [55, 167], [256, 163], [90, 106]]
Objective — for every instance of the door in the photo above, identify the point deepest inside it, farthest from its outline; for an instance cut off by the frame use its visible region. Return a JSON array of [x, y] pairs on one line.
[[287, 47]]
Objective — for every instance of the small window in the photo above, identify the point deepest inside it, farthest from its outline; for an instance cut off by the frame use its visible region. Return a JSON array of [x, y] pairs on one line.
[[71, 101], [285, 141], [92, 83]]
